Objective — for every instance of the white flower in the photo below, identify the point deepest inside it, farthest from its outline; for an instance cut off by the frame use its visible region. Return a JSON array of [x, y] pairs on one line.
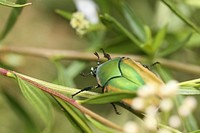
[[174, 121], [150, 123], [170, 89], [151, 110], [146, 91], [166, 104], [131, 127], [184, 111], [190, 102], [79, 22], [138, 103], [188, 105], [89, 9]]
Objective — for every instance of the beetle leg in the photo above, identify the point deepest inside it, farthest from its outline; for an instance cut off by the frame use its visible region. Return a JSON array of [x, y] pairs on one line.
[[98, 58], [155, 63], [150, 66], [85, 89], [106, 55], [116, 111], [115, 108]]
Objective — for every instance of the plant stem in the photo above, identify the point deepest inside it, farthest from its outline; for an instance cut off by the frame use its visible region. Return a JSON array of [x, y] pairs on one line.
[[71, 101], [86, 56]]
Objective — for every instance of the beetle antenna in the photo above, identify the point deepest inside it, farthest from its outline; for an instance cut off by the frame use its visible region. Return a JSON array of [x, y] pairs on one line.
[[98, 58], [106, 55]]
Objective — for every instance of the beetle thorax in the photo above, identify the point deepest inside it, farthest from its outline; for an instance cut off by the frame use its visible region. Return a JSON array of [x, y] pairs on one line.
[[107, 70]]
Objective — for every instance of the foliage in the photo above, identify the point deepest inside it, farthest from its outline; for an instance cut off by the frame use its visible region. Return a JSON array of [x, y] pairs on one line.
[[121, 27]]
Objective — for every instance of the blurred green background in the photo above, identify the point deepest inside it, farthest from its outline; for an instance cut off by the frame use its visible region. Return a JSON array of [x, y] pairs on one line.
[[41, 27]]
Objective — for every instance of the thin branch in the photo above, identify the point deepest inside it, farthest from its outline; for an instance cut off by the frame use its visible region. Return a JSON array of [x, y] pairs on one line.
[[63, 97], [86, 56]]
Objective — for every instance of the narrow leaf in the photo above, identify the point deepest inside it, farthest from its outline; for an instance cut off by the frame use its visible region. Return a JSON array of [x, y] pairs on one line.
[[11, 4], [12, 19], [59, 88], [175, 46], [191, 83], [180, 15], [72, 71], [164, 74], [107, 18], [100, 126], [134, 23], [108, 97], [64, 14], [76, 118], [196, 131], [159, 39], [21, 113], [170, 129], [38, 100], [188, 91]]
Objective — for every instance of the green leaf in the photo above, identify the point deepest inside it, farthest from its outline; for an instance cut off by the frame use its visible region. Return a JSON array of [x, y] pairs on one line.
[[109, 19], [59, 88], [76, 118], [170, 129], [72, 71], [21, 113], [191, 83], [108, 98], [188, 91], [180, 15], [135, 25], [196, 131], [157, 41], [11, 4], [38, 100], [175, 46], [163, 73], [100, 126], [64, 14], [11, 20]]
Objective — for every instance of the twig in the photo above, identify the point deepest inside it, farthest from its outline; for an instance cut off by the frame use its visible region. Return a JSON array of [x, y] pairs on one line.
[[63, 97], [86, 56]]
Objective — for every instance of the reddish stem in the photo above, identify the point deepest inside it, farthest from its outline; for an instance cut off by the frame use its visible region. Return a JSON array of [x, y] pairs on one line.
[[72, 102], [3, 71]]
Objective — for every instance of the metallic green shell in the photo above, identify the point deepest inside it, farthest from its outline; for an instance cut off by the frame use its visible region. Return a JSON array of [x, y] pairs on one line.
[[117, 75]]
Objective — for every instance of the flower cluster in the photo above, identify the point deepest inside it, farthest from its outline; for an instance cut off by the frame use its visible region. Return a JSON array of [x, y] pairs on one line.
[[156, 102], [80, 23]]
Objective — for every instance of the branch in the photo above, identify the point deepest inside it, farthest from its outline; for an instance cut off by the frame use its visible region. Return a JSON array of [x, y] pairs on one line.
[[71, 101], [86, 56]]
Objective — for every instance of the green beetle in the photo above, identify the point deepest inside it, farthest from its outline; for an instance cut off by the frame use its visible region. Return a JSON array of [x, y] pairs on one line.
[[121, 74]]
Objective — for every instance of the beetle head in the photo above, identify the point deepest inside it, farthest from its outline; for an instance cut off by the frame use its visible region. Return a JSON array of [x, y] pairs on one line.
[[93, 71]]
